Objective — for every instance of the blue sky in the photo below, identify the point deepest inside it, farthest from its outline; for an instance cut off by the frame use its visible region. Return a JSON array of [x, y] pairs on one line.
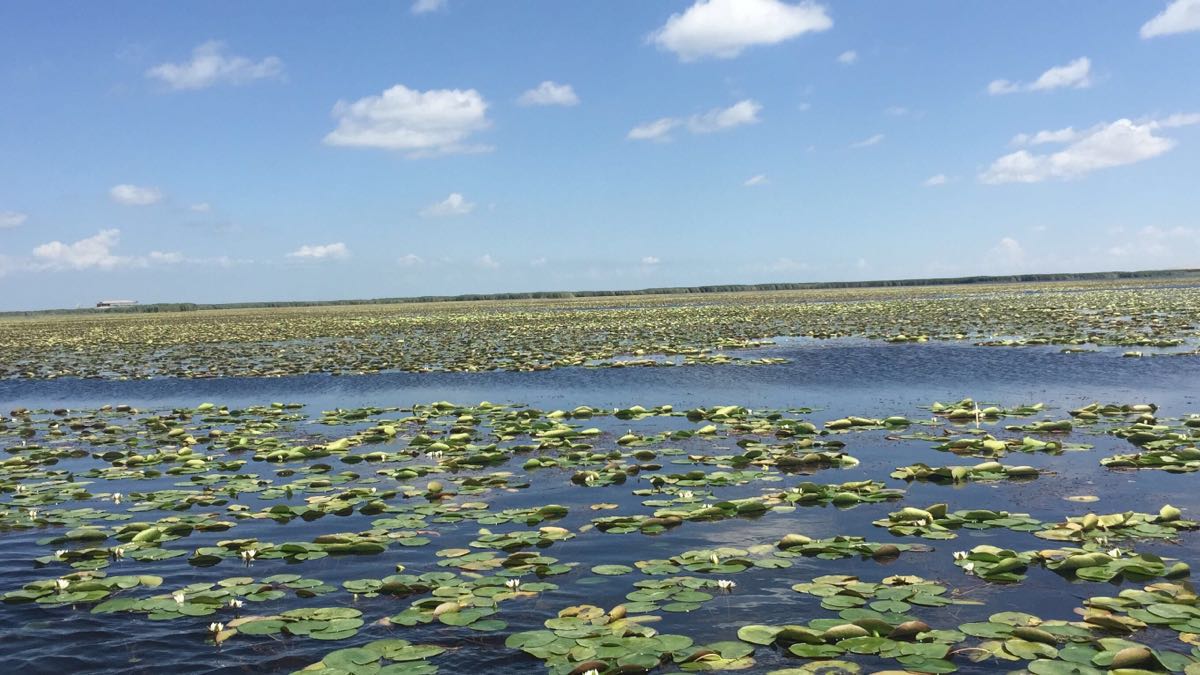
[[224, 151]]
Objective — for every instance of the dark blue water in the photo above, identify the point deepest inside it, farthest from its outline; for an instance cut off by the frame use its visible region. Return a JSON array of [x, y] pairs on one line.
[[837, 378]]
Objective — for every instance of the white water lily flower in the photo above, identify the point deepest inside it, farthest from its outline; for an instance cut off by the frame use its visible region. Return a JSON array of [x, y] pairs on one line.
[[686, 494], [513, 584], [960, 555], [714, 559], [1103, 541], [726, 584], [60, 553], [235, 603], [118, 552], [61, 584], [116, 497], [216, 627], [249, 554], [969, 567], [179, 597], [593, 671], [32, 513], [1115, 553]]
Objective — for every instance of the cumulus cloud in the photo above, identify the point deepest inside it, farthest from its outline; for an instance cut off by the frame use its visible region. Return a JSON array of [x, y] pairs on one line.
[[759, 179], [724, 28], [1009, 252], [848, 57], [165, 257], [426, 6], [1181, 16], [211, 65], [94, 252], [453, 205], [335, 251], [418, 123], [550, 93], [1075, 75], [717, 119], [868, 142], [410, 260], [487, 262], [1103, 146], [936, 180], [1151, 243], [658, 130], [135, 195], [12, 219], [650, 260]]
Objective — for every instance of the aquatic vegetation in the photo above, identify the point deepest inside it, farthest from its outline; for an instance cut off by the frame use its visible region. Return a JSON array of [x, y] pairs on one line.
[[1166, 524], [404, 531], [615, 332], [985, 471]]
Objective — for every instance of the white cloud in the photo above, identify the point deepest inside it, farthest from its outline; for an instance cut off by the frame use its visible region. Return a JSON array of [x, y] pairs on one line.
[[95, 251], [658, 130], [1178, 120], [550, 93], [419, 123], [650, 260], [487, 262], [12, 219], [786, 265], [201, 207], [453, 205], [896, 111], [538, 262], [1075, 75], [165, 257], [426, 6], [868, 142], [1181, 16], [335, 251], [1008, 252], [934, 181], [410, 260], [848, 57], [1101, 147], [759, 179], [210, 65], [1178, 245], [1049, 136], [718, 119], [723, 28], [135, 195]]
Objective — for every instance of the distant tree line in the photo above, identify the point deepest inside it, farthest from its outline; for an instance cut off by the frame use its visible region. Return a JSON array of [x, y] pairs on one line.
[[673, 290]]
